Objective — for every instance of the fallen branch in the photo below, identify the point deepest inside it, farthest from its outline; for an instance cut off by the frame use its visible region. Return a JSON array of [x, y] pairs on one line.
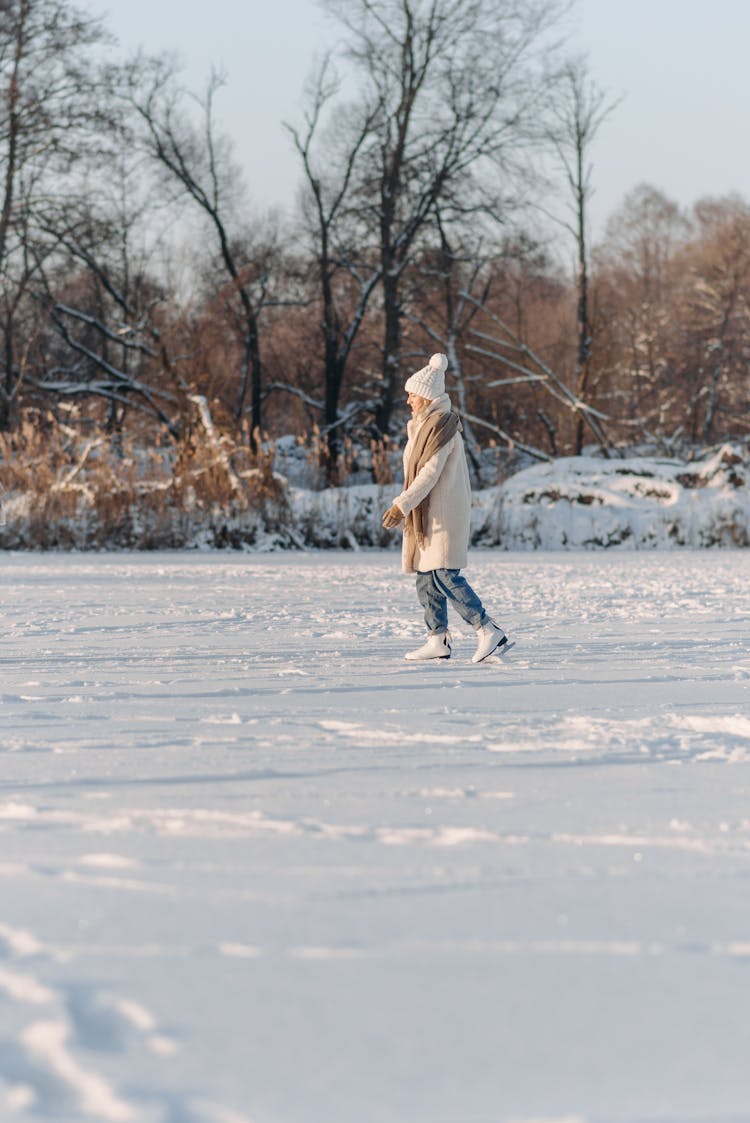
[[61, 485], [510, 441], [207, 421]]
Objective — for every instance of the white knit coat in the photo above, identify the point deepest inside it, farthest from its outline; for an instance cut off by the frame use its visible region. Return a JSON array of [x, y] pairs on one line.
[[445, 479]]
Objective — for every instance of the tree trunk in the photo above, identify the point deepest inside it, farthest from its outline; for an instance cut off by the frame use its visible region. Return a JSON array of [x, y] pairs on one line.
[[708, 423], [6, 393], [584, 329], [256, 391], [252, 372], [12, 96], [713, 391], [470, 440], [333, 376], [391, 351]]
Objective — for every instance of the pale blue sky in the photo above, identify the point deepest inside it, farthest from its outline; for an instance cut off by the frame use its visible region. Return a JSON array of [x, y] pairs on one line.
[[680, 64]]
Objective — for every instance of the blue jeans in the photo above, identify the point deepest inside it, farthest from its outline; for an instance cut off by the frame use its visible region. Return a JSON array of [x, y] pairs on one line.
[[438, 586]]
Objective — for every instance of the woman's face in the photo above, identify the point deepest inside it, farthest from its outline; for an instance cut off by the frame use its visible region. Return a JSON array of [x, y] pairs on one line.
[[417, 403]]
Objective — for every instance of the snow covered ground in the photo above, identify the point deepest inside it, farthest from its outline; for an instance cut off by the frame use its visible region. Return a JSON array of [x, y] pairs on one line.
[[254, 867]]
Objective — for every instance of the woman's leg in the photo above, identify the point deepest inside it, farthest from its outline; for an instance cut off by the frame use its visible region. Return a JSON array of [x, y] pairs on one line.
[[432, 599], [490, 636], [458, 590]]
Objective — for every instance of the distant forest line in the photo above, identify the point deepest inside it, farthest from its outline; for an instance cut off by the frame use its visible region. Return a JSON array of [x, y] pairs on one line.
[[146, 304]]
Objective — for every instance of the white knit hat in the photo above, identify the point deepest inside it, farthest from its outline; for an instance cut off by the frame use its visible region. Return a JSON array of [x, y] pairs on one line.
[[429, 382]]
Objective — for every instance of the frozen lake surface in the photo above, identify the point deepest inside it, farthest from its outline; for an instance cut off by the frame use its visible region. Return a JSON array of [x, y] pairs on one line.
[[255, 868]]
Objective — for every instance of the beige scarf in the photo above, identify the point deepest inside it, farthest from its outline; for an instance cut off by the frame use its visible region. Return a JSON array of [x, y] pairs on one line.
[[435, 432]]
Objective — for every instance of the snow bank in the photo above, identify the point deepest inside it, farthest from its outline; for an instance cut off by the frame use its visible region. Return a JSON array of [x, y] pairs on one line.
[[580, 502], [342, 516], [584, 502]]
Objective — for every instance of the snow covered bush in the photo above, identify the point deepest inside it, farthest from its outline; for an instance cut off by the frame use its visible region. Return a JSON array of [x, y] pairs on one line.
[[586, 502], [342, 516]]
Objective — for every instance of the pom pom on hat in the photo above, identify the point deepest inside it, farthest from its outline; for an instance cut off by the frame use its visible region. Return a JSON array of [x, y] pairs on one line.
[[429, 382]]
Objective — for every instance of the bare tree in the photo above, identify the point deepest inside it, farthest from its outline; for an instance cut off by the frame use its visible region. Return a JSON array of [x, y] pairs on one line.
[[456, 280], [494, 291], [329, 175], [717, 311], [639, 281], [199, 164], [107, 313], [451, 86], [57, 117], [577, 111]]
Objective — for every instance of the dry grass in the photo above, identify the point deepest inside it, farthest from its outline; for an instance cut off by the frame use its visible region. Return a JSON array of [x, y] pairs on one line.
[[353, 461], [64, 491], [64, 485]]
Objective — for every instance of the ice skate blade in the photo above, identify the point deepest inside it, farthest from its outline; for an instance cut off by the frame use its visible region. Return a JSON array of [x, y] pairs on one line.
[[497, 655]]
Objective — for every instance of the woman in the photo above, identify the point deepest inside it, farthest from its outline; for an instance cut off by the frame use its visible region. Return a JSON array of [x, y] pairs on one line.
[[435, 507]]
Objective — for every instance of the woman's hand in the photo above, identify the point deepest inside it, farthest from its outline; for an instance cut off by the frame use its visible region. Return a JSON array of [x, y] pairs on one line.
[[393, 516]]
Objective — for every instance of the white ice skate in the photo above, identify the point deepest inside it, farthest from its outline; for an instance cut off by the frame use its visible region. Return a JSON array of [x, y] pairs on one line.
[[490, 638], [437, 647]]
